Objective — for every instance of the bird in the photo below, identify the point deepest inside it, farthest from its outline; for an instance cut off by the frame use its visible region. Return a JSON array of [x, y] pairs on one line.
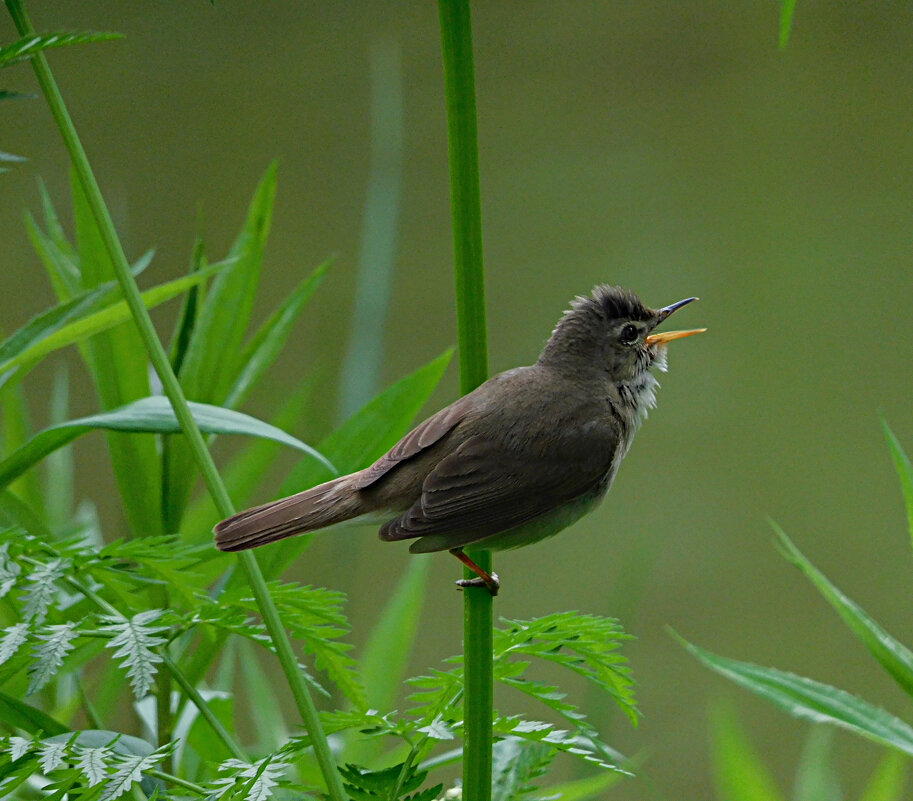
[[520, 458]]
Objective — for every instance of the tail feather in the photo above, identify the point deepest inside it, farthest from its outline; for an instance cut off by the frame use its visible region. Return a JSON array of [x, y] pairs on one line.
[[310, 510]]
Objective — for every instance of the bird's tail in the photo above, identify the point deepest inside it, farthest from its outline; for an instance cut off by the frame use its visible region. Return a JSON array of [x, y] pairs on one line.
[[315, 508]]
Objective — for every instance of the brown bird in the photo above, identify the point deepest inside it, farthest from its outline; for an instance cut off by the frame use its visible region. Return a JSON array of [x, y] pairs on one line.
[[518, 459]]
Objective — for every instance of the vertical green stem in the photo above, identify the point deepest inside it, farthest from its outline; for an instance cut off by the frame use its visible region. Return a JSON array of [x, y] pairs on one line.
[[172, 388], [462, 136]]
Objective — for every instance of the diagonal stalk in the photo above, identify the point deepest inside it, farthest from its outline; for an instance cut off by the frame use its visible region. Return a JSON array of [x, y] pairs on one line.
[[160, 362], [462, 137]]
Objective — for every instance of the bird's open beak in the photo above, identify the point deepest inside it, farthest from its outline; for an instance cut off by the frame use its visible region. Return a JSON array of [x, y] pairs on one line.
[[668, 336]]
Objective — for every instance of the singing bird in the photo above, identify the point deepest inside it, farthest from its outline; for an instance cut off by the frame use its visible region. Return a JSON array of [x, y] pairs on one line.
[[518, 459]]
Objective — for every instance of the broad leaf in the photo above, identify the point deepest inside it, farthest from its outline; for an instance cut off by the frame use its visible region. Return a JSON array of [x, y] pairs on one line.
[[152, 415], [811, 700]]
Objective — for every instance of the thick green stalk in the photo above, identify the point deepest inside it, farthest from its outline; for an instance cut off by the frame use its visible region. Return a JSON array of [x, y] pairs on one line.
[[172, 388], [462, 137]]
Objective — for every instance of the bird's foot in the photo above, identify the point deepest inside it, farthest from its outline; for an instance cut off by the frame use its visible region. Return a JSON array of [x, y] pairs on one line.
[[492, 583]]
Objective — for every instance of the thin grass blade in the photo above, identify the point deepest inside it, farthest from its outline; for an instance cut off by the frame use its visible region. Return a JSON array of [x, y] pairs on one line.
[[812, 700], [891, 654]]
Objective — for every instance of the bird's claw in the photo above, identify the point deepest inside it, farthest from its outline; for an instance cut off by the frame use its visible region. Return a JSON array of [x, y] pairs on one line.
[[492, 585]]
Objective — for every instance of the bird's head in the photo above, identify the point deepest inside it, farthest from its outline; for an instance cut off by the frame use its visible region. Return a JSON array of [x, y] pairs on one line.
[[612, 331]]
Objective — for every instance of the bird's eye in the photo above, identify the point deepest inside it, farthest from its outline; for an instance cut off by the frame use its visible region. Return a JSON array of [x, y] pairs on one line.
[[628, 334]]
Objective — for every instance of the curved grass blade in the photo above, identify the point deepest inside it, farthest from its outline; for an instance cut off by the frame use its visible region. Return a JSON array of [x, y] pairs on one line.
[[28, 46], [891, 654], [811, 700], [88, 314], [148, 415]]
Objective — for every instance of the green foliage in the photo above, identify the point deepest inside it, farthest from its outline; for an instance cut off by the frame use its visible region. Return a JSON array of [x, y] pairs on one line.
[[741, 775], [93, 626], [821, 703]]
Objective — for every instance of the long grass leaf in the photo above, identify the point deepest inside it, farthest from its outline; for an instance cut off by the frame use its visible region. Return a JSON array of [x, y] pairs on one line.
[[149, 415], [211, 361], [891, 654], [738, 772], [363, 438], [266, 344], [904, 471], [120, 371], [90, 313], [812, 700]]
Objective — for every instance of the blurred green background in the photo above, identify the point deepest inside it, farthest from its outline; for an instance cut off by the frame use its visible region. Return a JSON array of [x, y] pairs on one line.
[[667, 147]]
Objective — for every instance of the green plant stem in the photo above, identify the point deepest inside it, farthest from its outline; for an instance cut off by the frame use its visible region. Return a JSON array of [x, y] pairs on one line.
[[462, 137], [205, 710], [172, 388]]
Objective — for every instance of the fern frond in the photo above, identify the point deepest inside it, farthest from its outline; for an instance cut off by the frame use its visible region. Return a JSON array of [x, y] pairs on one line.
[[257, 779], [92, 763], [134, 640], [9, 571], [55, 643], [52, 755], [13, 637], [41, 589], [129, 771], [18, 747]]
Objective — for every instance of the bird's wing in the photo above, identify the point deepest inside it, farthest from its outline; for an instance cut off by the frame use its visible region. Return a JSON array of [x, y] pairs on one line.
[[481, 490], [422, 436]]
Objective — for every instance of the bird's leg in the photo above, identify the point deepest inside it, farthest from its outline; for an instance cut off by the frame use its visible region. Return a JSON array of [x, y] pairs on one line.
[[490, 581]]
